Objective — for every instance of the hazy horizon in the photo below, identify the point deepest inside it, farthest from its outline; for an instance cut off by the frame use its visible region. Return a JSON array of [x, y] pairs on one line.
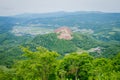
[[14, 7]]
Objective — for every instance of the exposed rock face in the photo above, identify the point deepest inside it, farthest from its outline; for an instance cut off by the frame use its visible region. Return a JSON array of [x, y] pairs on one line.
[[64, 33]]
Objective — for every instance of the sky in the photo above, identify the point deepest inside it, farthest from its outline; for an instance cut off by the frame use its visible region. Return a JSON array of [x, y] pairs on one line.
[[13, 7]]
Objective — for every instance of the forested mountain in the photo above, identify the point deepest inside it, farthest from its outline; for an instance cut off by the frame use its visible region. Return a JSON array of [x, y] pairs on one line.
[[91, 53]]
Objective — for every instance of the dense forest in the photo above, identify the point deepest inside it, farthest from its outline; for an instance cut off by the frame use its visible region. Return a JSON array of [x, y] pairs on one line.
[[49, 65], [31, 50]]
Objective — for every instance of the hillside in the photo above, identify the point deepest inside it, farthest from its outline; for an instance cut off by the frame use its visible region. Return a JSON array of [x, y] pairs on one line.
[[60, 46], [90, 31]]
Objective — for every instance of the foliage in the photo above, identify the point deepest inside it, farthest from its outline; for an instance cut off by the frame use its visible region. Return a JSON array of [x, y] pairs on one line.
[[75, 66], [84, 41], [45, 65], [5, 73], [51, 42], [39, 65]]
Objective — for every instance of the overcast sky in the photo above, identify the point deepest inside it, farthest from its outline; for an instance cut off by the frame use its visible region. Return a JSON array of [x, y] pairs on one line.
[[11, 7]]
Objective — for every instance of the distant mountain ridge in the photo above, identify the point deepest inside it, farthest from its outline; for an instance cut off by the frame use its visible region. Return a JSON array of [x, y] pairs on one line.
[[53, 14]]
